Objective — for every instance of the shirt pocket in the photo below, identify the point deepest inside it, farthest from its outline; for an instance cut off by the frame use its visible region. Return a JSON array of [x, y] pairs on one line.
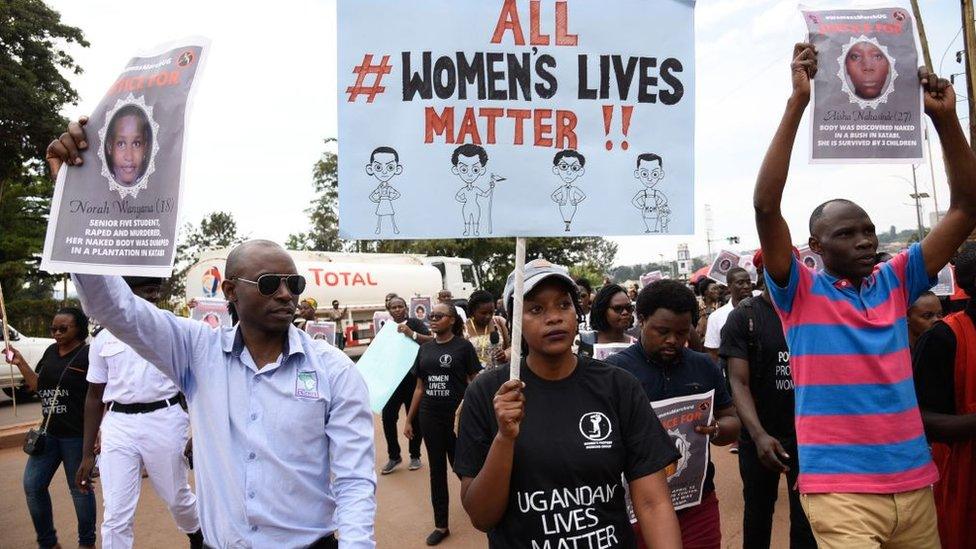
[[299, 428], [113, 355]]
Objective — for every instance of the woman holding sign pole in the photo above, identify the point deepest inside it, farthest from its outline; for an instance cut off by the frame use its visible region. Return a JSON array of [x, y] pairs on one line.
[[443, 369], [541, 459]]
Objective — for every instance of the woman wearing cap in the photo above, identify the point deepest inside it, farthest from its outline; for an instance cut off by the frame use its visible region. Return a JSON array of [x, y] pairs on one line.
[[443, 368], [306, 312], [541, 459]]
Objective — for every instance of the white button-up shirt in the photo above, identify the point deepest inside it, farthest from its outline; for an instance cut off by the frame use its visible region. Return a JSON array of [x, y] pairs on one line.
[[128, 378], [284, 454]]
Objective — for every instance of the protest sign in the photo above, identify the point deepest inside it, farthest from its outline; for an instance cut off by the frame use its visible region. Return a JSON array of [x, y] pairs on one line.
[[811, 259], [679, 416], [322, 329], [603, 350], [384, 364], [867, 102], [118, 212], [420, 308], [720, 267], [213, 312], [745, 261], [380, 318], [946, 284], [515, 118], [650, 277]]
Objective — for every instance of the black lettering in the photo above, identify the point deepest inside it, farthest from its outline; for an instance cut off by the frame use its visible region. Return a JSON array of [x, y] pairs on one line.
[[647, 82], [470, 73], [585, 91], [668, 68], [495, 76], [543, 64], [416, 83], [444, 67], [624, 75], [604, 77], [519, 76]]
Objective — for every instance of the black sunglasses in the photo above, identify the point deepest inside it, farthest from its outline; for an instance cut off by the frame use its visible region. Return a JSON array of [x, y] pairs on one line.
[[434, 317], [268, 284], [60, 329], [621, 309]]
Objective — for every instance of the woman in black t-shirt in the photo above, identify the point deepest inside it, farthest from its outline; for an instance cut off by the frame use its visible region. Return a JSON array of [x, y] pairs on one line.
[[416, 330], [443, 368], [61, 384], [541, 459]]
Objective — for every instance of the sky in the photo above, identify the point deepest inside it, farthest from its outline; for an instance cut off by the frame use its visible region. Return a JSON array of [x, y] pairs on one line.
[[267, 101]]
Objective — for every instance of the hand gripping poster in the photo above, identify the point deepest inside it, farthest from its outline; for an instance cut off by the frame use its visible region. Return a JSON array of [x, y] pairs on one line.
[[867, 101], [543, 118], [118, 212], [679, 416]]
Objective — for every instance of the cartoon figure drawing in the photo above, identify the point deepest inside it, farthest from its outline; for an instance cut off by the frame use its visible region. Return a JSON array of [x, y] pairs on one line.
[[469, 162], [569, 166], [652, 203], [384, 164]]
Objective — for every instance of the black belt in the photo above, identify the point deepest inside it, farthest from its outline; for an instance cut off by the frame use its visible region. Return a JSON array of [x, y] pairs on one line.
[[327, 542], [143, 407]]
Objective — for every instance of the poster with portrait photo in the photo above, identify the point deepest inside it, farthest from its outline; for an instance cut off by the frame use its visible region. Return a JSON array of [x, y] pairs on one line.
[[118, 212], [867, 101], [379, 319], [720, 267], [322, 329], [811, 259], [679, 416], [946, 284], [420, 308], [745, 261], [650, 277], [212, 312]]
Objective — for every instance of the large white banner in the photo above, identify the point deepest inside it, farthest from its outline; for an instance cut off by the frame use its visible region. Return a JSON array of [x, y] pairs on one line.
[[488, 118]]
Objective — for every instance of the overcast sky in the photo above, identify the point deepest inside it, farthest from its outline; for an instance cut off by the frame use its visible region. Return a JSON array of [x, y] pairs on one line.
[[267, 100]]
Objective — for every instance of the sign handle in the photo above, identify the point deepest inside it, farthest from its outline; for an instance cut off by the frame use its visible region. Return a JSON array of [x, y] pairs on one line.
[[6, 349], [518, 298]]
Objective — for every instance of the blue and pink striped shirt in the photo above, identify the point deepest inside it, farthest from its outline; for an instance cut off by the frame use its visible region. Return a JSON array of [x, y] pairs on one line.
[[858, 426]]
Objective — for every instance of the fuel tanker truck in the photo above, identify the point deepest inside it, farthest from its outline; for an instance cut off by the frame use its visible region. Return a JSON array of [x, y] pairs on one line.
[[359, 281]]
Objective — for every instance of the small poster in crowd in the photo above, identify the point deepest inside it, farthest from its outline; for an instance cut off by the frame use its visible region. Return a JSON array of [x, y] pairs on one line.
[[420, 308], [118, 212], [322, 329], [679, 416], [650, 277], [387, 359], [811, 259], [867, 102], [603, 350], [946, 284], [380, 318], [212, 312], [745, 261], [722, 264]]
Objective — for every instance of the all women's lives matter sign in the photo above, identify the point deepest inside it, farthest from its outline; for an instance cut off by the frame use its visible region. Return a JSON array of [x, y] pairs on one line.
[[480, 118], [118, 212], [867, 102]]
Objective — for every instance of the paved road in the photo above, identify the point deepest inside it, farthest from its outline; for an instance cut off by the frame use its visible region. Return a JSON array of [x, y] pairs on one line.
[[404, 516]]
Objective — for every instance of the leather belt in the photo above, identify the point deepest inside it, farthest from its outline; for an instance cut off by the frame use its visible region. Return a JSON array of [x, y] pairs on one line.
[[143, 407]]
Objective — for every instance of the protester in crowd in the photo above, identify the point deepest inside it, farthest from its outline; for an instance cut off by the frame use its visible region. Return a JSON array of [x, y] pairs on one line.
[[666, 368], [922, 315], [499, 308], [336, 315], [60, 383], [709, 300], [444, 367], [945, 381], [445, 296], [586, 299], [306, 312], [632, 293], [865, 468], [572, 424], [144, 426], [740, 287], [486, 331], [754, 347], [416, 330], [612, 314]]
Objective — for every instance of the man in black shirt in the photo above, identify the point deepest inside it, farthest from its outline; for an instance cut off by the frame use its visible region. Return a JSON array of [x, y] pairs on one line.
[[754, 347]]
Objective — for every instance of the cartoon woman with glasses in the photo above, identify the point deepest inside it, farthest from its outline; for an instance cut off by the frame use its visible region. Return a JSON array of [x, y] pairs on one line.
[[568, 165], [652, 203], [384, 164]]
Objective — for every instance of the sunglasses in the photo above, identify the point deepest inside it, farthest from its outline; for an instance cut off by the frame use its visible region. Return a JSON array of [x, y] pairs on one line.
[[434, 317], [268, 284], [621, 309], [60, 329]]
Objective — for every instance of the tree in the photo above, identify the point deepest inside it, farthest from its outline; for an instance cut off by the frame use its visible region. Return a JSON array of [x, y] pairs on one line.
[[216, 230], [323, 213], [32, 62]]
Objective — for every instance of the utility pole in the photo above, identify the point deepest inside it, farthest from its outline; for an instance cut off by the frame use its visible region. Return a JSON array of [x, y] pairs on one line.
[[921, 35], [918, 204], [969, 40]]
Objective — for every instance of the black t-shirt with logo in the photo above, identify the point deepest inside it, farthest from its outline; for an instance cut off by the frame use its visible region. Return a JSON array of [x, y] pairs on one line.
[[67, 407], [770, 381], [444, 368], [579, 435]]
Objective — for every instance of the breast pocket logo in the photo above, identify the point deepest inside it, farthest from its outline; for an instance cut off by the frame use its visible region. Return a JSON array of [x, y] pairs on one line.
[[307, 385], [596, 428], [446, 361]]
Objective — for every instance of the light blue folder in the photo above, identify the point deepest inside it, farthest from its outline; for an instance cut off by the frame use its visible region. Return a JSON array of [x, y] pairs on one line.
[[387, 359]]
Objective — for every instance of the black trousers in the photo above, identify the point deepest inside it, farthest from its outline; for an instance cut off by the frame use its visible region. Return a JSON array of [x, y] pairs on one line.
[[437, 423], [391, 413], [760, 488]]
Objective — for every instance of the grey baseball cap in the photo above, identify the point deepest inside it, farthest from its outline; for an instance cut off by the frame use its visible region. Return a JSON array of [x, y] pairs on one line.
[[536, 271]]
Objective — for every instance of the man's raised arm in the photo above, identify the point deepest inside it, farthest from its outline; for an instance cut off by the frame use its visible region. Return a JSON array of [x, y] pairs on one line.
[[774, 233], [960, 161]]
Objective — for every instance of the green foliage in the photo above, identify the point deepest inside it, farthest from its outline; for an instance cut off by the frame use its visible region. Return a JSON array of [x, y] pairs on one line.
[[323, 212], [33, 90], [216, 230]]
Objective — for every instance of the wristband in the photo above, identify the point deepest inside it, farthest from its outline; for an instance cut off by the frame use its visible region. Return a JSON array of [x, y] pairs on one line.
[[414, 336]]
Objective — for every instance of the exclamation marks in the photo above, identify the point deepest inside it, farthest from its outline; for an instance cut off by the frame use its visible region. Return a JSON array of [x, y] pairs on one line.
[[626, 114]]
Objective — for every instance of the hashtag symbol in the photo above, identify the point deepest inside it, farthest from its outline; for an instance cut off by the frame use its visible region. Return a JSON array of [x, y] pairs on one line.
[[366, 68]]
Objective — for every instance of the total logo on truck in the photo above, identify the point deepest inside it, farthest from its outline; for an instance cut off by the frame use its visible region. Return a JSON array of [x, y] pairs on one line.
[[359, 281]]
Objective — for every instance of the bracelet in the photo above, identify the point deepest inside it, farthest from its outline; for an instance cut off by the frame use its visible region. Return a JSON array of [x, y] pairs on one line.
[[414, 336]]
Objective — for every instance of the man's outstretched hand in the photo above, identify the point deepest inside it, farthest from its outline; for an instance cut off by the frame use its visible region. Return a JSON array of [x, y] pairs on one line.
[[940, 97], [67, 148], [804, 68]]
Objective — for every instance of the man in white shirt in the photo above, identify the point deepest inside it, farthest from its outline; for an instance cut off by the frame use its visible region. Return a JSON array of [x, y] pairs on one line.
[[144, 426], [740, 287]]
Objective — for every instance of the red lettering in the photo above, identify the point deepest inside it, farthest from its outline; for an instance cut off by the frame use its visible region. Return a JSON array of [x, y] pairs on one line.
[[331, 279], [357, 280], [508, 20], [345, 278], [536, 38], [491, 115], [369, 279], [543, 132], [469, 128], [439, 124], [316, 272], [563, 38], [520, 115], [565, 134], [174, 78]]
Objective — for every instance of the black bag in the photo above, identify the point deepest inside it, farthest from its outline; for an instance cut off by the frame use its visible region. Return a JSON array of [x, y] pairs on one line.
[[36, 439]]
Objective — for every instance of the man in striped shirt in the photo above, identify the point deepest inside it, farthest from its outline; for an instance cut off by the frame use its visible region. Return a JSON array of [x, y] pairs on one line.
[[865, 468]]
